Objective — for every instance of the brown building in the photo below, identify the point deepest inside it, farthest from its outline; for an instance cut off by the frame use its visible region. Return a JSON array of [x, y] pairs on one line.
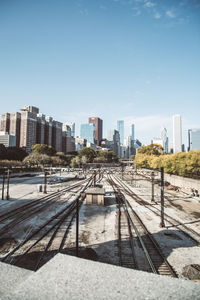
[[48, 131], [40, 135], [98, 129], [5, 122], [28, 131], [57, 136], [15, 125]]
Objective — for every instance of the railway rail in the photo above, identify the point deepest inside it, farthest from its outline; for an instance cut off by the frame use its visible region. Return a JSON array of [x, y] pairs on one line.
[[153, 260], [46, 233], [187, 231]]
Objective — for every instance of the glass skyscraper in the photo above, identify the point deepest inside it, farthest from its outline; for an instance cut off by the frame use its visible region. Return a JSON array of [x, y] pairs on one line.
[[120, 129], [177, 134], [87, 132], [194, 139], [132, 132]]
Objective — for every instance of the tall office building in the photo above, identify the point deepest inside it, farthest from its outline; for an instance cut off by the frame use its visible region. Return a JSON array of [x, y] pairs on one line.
[[177, 134], [194, 139], [132, 132], [98, 129], [120, 129], [165, 140], [88, 132]]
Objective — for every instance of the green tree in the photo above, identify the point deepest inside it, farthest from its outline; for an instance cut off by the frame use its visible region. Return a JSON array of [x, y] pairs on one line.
[[153, 149], [87, 152], [37, 159], [15, 153], [3, 152], [43, 149]]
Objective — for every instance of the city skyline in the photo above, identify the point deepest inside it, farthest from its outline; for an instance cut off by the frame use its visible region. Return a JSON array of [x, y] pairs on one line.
[[133, 60]]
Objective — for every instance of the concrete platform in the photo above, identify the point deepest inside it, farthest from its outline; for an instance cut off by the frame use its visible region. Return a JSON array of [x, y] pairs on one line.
[[11, 277], [68, 277]]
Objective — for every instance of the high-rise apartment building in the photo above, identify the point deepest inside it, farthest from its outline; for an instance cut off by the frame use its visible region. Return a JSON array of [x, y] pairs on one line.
[[87, 132], [194, 139], [28, 132], [48, 131], [165, 140], [98, 129], [5, 122], [120, 129], [15, 125], [40, 135], [57, 136], [177, 134]]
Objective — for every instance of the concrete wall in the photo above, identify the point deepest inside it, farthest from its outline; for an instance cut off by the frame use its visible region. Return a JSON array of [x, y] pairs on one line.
[[187, 183]]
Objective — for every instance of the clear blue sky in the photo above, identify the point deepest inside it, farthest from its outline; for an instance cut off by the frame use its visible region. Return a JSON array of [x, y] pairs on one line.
[[135, 60]]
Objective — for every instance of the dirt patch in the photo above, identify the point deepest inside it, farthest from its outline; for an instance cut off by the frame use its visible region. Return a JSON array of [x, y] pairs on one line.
[[192, 272], [196, 214], [6, 244]]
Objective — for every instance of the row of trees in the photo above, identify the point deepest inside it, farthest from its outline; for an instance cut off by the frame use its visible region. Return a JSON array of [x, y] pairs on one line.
[[183, 164], [89, 155], [46, 155]]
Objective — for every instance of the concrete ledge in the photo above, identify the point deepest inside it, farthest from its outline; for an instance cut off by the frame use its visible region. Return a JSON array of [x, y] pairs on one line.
[[10, 278], [68, 277]]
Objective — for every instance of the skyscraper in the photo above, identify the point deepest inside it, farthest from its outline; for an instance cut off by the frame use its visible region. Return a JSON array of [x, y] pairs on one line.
[[165, 140], [98, 129], [194, 139], [87, 132], [177, 134], [120, 129], [132, 132]]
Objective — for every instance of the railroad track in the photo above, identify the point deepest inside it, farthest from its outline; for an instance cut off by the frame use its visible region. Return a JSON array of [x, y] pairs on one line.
[[40, 240], [28, 210], [187, 231], [153, 259]]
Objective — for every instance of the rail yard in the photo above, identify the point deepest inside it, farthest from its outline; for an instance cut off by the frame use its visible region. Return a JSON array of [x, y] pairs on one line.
[[127, 230]]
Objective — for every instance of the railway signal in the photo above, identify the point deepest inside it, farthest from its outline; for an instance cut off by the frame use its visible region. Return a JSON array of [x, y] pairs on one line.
[[45, 182]]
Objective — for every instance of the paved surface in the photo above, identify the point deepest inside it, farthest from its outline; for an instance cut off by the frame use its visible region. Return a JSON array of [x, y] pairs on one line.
[[67, 277], [11, 277]]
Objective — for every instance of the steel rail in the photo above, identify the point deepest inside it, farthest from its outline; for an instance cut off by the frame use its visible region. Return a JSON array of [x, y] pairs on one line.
[[168, 218]]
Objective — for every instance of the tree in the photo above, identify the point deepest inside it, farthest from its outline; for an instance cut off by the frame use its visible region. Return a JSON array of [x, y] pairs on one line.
[[15, 153], [37, 159], [87, 152], [153, 149], [43, 149], [3, 152]]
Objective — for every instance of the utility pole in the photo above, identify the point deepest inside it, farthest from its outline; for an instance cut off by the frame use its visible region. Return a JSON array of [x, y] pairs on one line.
[[8, 182], [152, 186], [45, 182], [162, 223], [77, 225], [3, 182]]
